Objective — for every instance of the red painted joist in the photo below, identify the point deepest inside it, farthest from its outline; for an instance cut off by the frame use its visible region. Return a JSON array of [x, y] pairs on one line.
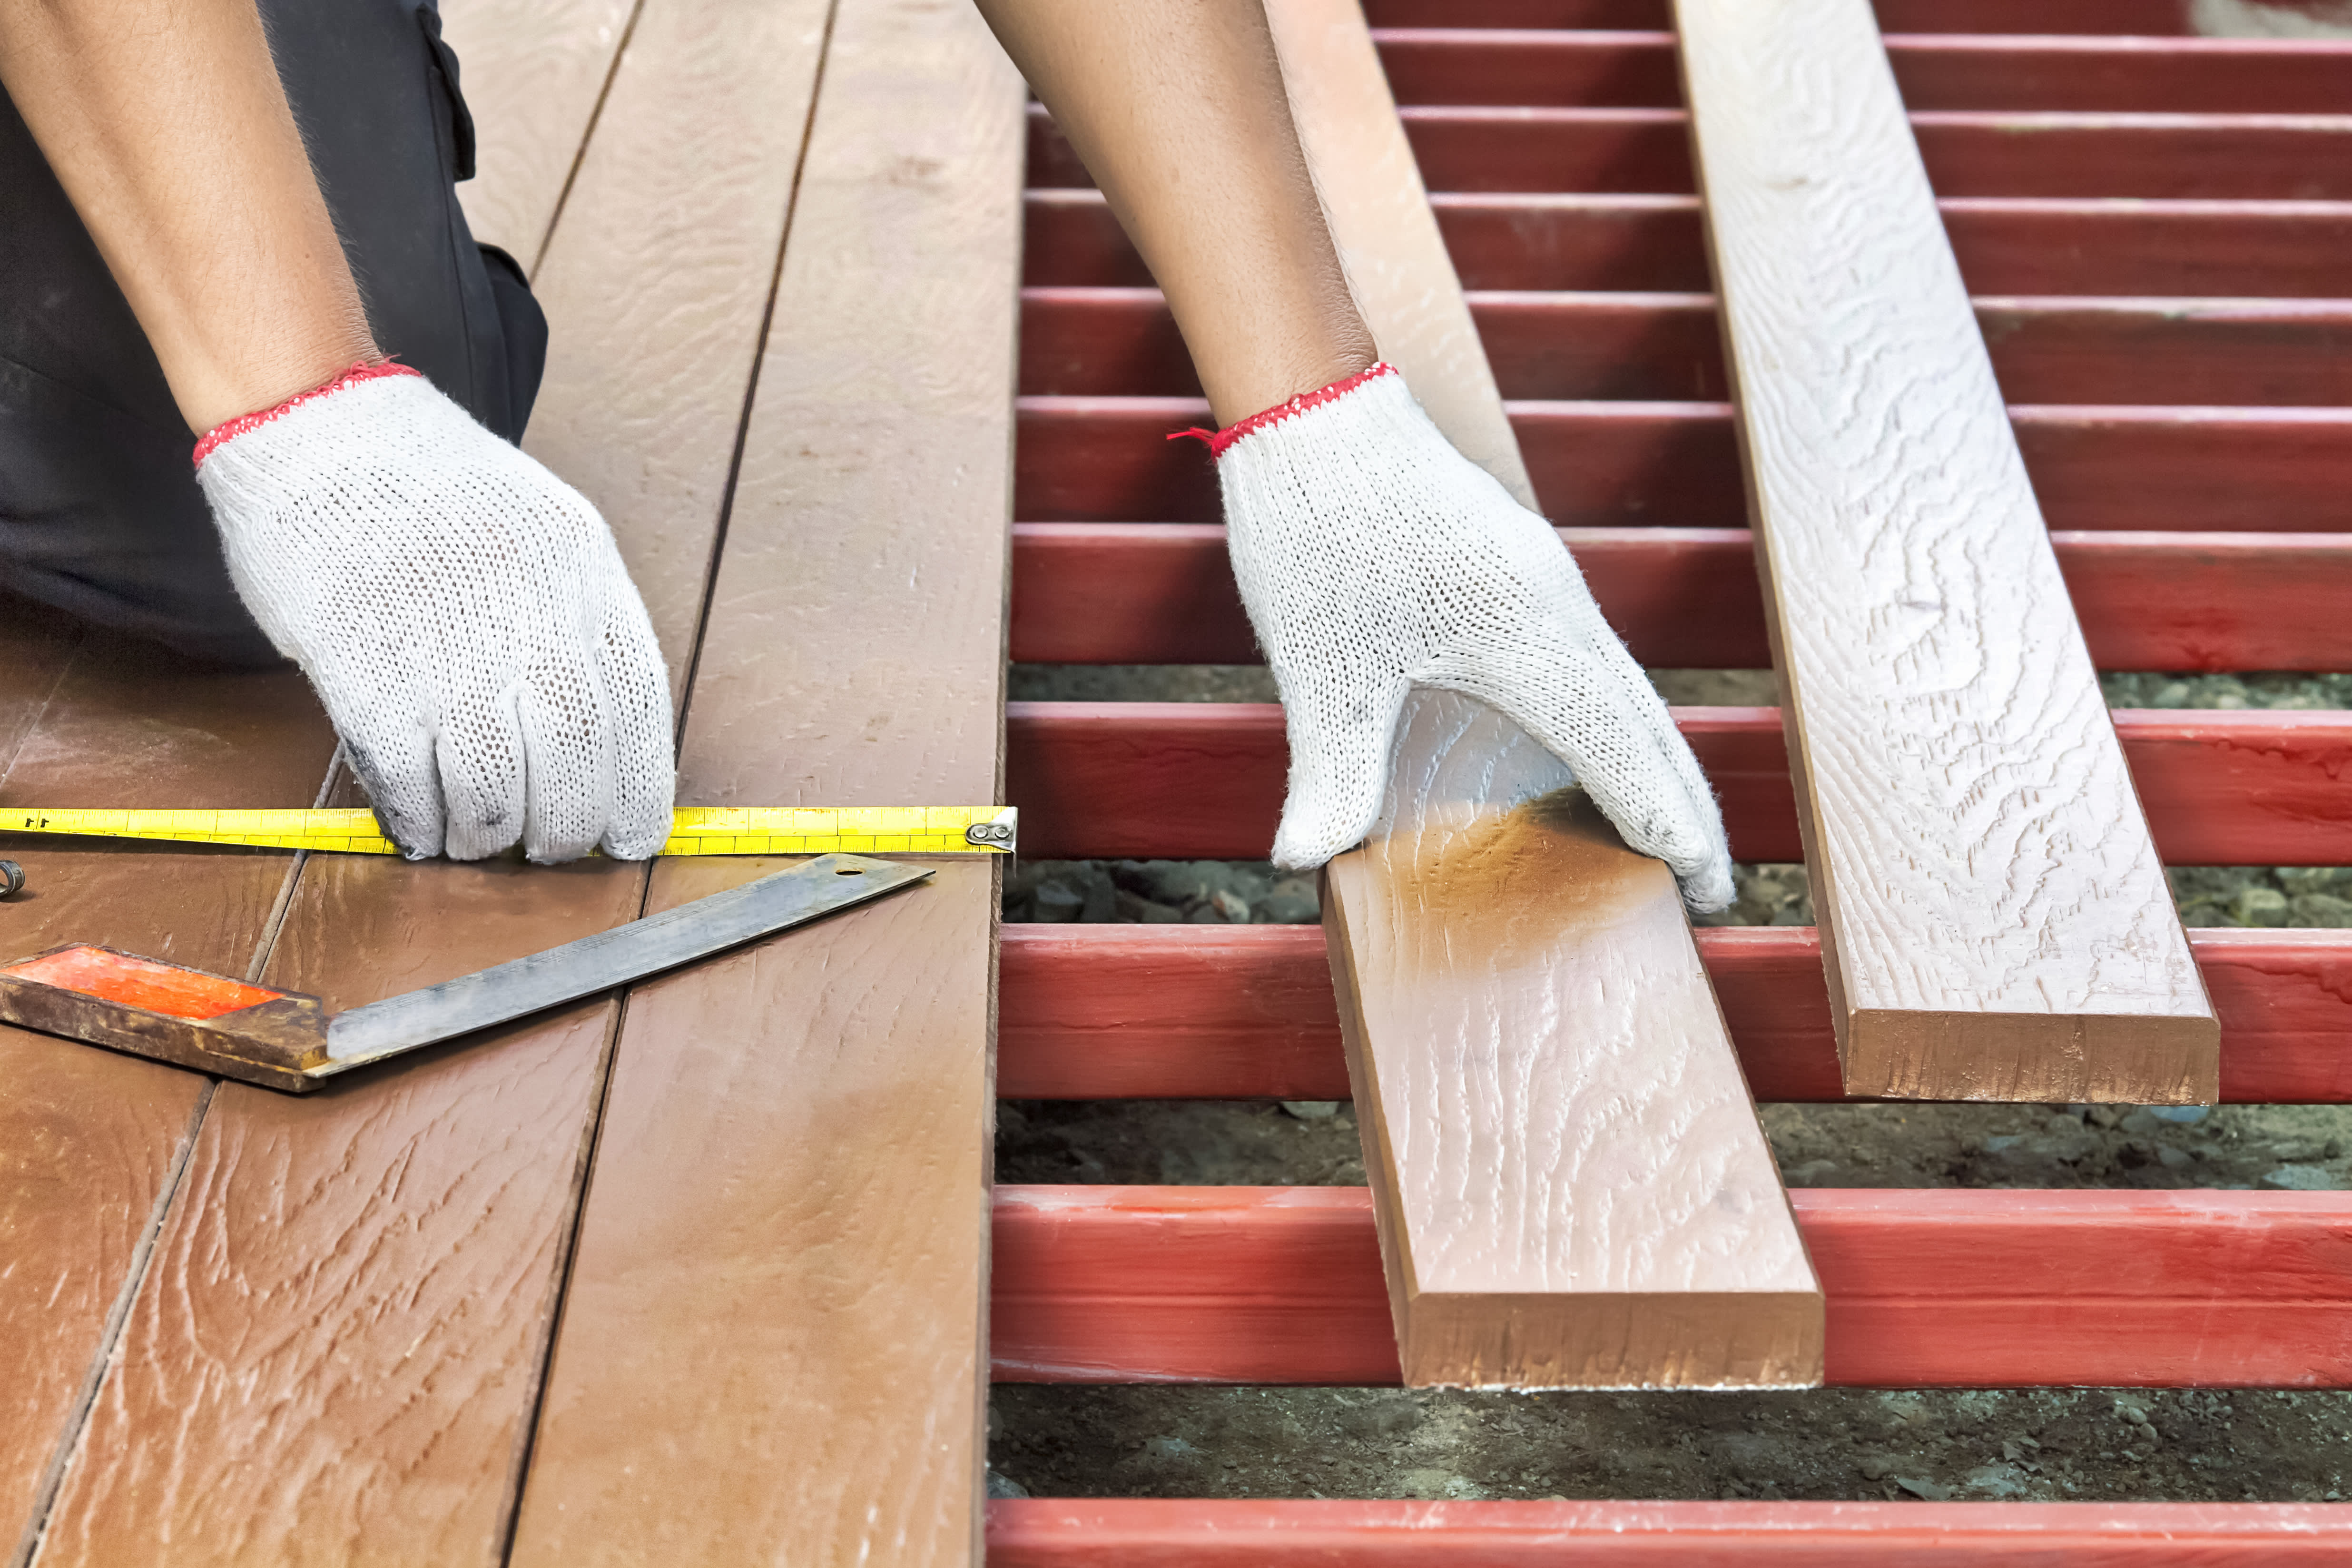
[[1598, 465], [2005, 245], [2215, 157], [1205, 779], [1924, 1287], [1555, 346], [2134, 17], [1636, 69], [1687, 598], [1122, 1012], [1193, 1532]]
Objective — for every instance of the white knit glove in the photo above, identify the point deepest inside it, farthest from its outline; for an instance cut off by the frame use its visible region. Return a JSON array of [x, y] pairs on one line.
[[1373, 558], [463, 613]]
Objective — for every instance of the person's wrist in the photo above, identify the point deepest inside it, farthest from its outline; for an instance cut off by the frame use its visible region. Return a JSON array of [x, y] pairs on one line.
[[260, 375]]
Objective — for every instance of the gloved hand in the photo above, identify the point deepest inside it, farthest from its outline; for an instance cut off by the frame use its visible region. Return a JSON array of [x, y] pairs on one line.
[[463, 613], [1373, 557]]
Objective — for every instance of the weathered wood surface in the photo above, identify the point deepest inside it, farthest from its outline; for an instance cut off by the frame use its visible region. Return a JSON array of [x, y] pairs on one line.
[[772, 1342], [92, 1142], [379, 1265], [1996, 923], [533, 73], [1572, 1185], [657, 279]]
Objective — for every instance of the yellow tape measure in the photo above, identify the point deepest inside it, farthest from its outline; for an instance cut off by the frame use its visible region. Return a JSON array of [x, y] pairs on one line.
[[693, 830]]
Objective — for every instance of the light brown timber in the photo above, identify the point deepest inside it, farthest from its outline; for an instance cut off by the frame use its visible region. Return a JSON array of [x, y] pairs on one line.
[[772, 1342], [1571, 1186], [533, 73], [1569, 1194], [1996, 924]]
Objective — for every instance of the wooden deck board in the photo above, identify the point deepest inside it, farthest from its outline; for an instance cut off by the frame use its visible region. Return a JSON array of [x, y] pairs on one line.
[[1995, 918], [90, 1142], [533, 73], [1504, 1264], [772, 1345], [379, 1265]]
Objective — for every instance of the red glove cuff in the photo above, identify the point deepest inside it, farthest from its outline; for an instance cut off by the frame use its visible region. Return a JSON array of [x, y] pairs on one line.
[[231, 429], [1218, 440]]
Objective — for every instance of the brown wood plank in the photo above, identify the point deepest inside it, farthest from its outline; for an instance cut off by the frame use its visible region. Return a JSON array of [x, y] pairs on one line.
[[1995, 920], [1572, 1184], [402, 1236], [1568, 1197], [91, 1143], [771, 1348], [534, 73], [659, 282]]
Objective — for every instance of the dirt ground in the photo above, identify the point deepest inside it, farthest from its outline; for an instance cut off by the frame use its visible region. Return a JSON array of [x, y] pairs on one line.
[[2082, 1444]]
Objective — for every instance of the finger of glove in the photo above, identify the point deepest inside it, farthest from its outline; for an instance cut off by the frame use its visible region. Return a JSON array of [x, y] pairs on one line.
[[1341, 732], [644, 777], [394, 765], [482, 758], [1620, 740], [568, 748]]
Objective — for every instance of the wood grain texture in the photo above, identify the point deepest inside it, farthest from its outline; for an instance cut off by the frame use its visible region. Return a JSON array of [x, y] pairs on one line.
[[533, 72], [1518, 1248], [1926, 1287], [1573, 1188], [1995, 920], [378, 1266], [1386, 237], [374, 1267], [1155, 1533], [772, 1345], [90, 1142], [657, 283]]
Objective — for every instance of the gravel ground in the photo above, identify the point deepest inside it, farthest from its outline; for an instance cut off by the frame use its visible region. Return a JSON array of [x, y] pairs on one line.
[[1832, 1443]]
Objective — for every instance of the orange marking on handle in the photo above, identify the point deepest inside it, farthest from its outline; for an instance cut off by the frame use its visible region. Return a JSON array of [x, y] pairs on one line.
[[143, 983]]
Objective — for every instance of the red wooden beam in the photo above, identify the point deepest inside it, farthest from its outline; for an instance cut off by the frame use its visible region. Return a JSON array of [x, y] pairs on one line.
[[2005, 245], [1132, 1011], [1599, 465], [2137, 17], [1925, 1286], [1193, 1532], [1687, 599], [2160, 157], [1205, 780], [1668, 347], [2116, 75]]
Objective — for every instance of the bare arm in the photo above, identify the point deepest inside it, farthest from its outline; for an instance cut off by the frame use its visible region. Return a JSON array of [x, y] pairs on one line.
[[165, 121], [1177, 106]]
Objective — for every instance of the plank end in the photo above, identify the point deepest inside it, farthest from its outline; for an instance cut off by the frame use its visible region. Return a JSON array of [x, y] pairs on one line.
[[1596, 1341], [2037, 1057]]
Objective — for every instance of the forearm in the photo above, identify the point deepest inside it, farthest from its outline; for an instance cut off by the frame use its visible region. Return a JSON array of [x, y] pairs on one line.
[[165, 123], [1177, 106]]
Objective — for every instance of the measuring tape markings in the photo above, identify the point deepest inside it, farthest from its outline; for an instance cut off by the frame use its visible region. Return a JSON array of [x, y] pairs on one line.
[[694, 830]]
